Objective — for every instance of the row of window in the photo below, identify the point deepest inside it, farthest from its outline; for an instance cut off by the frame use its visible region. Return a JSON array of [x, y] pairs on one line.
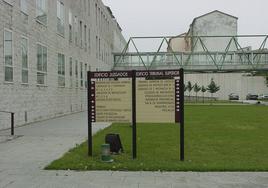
[[41, 64], [42, 11], [81, 34], [78, 32]]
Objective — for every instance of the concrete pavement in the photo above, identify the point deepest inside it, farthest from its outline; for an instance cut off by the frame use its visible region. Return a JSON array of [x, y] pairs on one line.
[[23, 158]]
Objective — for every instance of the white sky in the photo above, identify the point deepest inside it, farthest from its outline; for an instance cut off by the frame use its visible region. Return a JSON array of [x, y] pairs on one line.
[[172, 17]]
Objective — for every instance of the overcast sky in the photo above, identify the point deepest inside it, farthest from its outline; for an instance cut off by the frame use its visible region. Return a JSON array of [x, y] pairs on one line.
[[172, 17]]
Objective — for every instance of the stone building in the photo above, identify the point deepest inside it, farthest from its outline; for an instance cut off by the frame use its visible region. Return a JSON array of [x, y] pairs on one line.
[[199, 40], [46, 48], [215, 23]]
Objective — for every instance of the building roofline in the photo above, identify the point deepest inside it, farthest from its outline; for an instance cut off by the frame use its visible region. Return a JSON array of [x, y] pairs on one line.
[[110, 11], [214, 12], [120, 28], [180, 35]]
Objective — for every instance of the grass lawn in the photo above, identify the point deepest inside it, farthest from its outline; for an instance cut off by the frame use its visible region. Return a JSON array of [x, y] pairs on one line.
[[213, 102], [217, 138]]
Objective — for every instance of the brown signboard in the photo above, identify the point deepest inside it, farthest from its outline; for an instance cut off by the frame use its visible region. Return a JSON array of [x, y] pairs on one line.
[[112, 101], [156, 101]]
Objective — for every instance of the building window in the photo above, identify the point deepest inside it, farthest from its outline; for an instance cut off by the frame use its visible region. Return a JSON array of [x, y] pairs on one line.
[[81, 34], [76, 30], [41, 64], [41, 11], [88, 4], [81, 75], [60, 17], [99, 18], [24, 6], [85, 5], [89, 45], [97, 48], [76, 74], [8, 51], [61, 70], [96, 13], [86, 75], [24, 60], [70, 26], [85, 37], [71, 71]]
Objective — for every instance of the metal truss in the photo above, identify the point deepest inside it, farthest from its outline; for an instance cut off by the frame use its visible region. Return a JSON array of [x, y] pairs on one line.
[[201, 57]]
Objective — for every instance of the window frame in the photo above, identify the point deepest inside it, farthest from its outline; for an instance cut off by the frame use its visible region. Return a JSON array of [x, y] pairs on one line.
[[76, 74], [25, 9], [27, 54], [12, 54], [81, 75], [61, 70], [71, 71], [81, 33], [60, 18], [45, 10], [70, 24], [76, 28], [89, 7], [42, 71], [86, 69], [89, 40], [85, 37]]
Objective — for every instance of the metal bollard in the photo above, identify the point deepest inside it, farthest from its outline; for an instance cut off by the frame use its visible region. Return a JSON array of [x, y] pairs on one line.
[[12, 124]]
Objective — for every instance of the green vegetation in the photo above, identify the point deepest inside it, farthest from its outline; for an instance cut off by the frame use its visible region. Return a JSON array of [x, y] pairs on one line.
[[197, 88], [212, 87], [213, 102], [217, 138], [189, 87], [203, 90]]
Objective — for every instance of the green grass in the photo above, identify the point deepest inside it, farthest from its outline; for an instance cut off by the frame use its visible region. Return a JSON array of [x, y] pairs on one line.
[[212, 102], [217, 138]]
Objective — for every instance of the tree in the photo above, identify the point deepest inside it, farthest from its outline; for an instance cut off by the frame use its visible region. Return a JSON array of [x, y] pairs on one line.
[[197, 88], [189, 88], [213, 88], [203, 90]]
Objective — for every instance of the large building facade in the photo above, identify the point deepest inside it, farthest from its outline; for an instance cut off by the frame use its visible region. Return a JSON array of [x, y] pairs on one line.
[[46, 48]]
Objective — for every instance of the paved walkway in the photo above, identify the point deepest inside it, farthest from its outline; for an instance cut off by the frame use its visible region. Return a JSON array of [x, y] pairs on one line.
[[23, 158]]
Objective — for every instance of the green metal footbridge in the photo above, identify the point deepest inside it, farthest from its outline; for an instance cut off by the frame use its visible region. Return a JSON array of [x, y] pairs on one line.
[[241, 53]]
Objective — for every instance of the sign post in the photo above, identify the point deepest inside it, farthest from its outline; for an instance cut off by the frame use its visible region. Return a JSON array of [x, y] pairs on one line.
[[89, 115], [150, 96], [181, 110], [134, 127]]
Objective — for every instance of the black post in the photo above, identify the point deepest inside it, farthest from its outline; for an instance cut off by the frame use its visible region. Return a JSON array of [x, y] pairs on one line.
[[89, 107], [181, 115], [12, 123], [134, 134]]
